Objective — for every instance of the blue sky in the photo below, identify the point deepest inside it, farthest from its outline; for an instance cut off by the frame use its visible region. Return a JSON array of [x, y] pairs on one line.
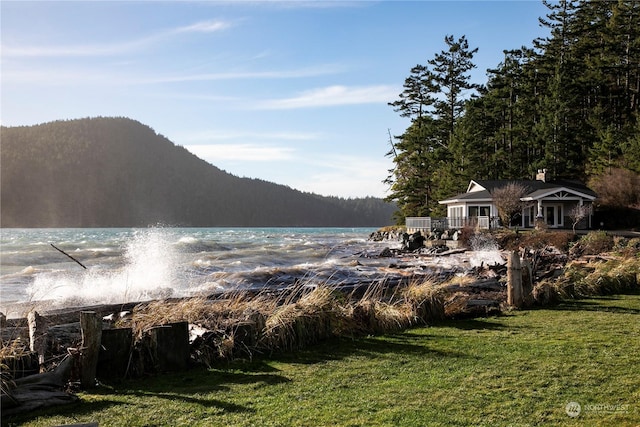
[[290, 92]]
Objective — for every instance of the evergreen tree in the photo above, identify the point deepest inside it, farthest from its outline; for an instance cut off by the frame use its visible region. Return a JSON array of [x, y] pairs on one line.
[[451, 68], [569, 104], [434, 100], [560, 127]]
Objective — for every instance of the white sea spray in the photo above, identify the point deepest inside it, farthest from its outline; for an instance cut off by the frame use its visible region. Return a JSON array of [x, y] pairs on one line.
[[485, 251], [148, 271]]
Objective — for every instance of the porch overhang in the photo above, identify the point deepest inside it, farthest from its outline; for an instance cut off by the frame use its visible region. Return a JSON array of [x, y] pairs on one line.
[[559, 194]]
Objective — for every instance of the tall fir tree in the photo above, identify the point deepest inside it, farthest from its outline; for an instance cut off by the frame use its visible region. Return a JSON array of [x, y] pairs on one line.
[[434, 100]]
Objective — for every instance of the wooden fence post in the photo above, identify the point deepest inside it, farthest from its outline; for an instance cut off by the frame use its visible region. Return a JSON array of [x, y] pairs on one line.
[[527, 283], [91, 326], [37, 335], [169, 345], [514, 280], [115, 353]]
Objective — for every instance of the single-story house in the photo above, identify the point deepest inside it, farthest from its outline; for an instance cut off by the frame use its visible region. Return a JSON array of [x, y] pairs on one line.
[[545, 200]]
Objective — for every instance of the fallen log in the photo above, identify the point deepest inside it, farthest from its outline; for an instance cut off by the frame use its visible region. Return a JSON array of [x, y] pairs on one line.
[[490, 284], [39, 390], [12, 333]]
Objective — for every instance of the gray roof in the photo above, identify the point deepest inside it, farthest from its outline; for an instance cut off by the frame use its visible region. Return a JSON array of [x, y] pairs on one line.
[[535, 189], [534, 186]]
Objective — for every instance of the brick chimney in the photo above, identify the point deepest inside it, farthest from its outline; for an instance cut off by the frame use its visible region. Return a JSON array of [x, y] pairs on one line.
[[543, 175]]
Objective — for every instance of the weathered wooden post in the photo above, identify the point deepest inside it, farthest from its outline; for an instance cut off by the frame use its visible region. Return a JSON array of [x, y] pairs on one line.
[[3, 320], [514, 280], [115, 353], [527, 282], [169, 345], [91, 326], [37, 335]]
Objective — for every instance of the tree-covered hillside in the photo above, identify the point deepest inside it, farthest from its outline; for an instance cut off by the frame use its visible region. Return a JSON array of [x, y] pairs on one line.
[[112, 172], [569, 104]]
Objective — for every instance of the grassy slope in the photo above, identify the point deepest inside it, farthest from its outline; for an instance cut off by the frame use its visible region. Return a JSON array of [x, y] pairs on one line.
[[519, 369]]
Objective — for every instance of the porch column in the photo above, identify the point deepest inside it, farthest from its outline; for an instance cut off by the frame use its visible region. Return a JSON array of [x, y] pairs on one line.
[[540, 214]]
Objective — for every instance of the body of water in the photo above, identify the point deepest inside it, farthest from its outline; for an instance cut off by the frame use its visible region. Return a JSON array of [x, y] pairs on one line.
[[129, 265], [125, 265]]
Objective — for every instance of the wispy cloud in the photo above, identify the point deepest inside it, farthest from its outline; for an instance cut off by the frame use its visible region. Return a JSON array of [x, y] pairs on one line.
[[346, 176], [332, 96], [243, 152], [207, 137], [298, 4], [315, 71], [116, 48], [74, 76], [202, 27]]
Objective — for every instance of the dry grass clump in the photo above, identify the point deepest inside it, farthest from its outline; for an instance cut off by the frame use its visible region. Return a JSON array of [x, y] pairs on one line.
[[6, 383], [627, 248], [600, 278], [156, 313], [378, 310], [304, 318], [13, 348], [547, 292], [456, 304], [426, 299], [369, 316], [209, 314]]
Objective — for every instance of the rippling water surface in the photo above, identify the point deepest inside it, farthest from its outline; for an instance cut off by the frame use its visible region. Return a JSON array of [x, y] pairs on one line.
[[139, 264]]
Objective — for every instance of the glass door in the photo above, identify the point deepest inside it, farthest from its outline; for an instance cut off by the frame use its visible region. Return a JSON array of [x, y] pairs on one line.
[[553, 215]]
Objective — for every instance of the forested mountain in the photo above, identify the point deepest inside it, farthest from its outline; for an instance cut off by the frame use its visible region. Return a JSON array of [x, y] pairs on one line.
[[569, 104], [116, 172]]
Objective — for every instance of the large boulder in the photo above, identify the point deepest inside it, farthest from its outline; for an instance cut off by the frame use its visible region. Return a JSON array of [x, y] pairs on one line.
[[413, 242]]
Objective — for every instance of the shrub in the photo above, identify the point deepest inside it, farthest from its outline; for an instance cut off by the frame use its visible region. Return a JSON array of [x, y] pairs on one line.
[[465, 236], [507, 200], [617, 188], [602, 278], [594, 243]]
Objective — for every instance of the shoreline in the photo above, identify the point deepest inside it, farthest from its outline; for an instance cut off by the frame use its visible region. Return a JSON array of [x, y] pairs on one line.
[[237, 325]]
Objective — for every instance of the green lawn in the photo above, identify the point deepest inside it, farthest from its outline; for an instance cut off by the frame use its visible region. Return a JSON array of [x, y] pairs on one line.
[[519, 369]]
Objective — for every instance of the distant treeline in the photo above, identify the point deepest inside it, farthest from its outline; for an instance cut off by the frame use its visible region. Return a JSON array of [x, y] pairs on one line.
[[117, 172]]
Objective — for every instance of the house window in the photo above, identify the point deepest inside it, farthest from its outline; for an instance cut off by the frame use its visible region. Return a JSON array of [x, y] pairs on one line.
[[455, 216], [553, 215], [530, 215], [479, 211], [455, 212]]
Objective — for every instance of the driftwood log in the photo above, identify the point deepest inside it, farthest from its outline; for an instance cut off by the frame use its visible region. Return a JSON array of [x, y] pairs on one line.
[[39, 390]]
